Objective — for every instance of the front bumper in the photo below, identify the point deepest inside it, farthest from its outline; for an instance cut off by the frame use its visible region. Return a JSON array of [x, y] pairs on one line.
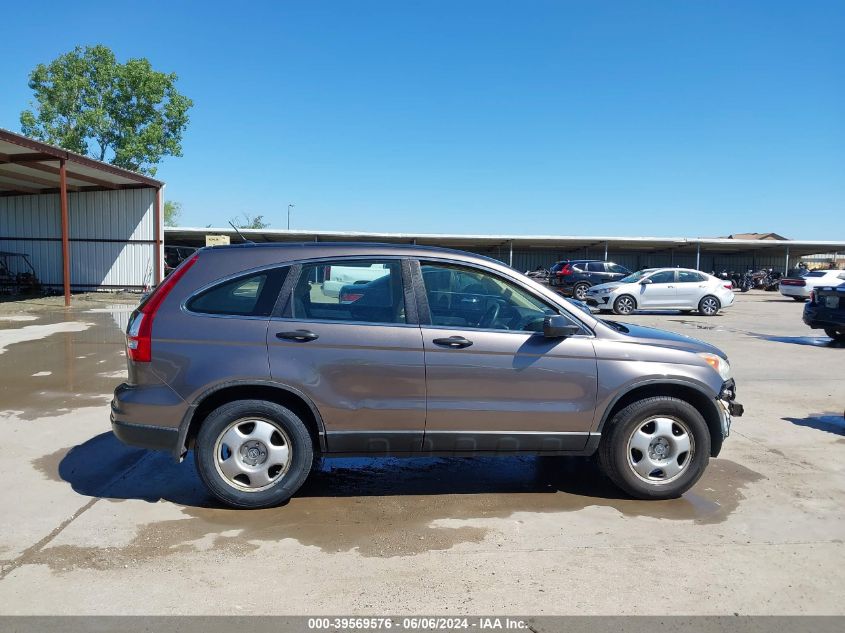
[[729, 408], [598, 301]]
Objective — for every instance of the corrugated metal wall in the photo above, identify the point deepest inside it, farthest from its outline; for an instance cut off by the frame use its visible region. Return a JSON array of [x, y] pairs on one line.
[[112, 237]]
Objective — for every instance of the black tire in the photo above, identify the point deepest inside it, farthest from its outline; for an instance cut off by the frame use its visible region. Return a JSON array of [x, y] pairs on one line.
[[616, 459], [622, 303], [837, 334], [285, 484], [801, 299], [709, 306], [580, 291]]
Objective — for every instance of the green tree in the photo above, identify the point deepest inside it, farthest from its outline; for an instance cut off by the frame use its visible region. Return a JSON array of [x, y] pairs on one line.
[[89, 103], [172, 212], [250, 222]]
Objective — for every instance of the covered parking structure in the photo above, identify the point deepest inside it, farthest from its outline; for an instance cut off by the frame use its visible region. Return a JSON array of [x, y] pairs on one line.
[[527, 252], [85, 224]]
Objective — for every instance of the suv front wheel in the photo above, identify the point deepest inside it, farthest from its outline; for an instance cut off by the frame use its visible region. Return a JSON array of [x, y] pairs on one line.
[[253, 453], [656, 448]]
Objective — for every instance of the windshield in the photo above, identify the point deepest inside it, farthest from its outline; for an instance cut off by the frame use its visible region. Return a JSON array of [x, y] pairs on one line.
[[635, 276]]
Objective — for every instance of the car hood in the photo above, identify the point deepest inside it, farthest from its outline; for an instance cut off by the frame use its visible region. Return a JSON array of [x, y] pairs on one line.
[[653, 336], [610, 285]]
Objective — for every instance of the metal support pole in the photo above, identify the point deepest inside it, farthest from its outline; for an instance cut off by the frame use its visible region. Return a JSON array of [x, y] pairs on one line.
[[786, 265], [510, 253], [157, 229], [698, 256], [605, 251], [65, 231]]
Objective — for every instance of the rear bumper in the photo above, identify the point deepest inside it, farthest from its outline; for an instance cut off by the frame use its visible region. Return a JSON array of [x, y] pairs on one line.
[[794, 291], [148, 416], [158, 438], [819, 318]]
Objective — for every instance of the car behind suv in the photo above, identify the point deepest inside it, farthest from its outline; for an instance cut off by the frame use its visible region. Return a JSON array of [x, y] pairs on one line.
[[573, 277], [242, 356]]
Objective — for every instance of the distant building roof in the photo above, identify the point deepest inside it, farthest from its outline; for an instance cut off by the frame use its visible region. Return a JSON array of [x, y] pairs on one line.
[[756, 236]]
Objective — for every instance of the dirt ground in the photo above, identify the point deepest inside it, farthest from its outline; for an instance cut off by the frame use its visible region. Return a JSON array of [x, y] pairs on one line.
[[91, 526]]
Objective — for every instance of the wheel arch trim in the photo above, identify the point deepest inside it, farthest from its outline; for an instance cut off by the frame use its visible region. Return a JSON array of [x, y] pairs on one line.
[[184, 426], [711, 416]]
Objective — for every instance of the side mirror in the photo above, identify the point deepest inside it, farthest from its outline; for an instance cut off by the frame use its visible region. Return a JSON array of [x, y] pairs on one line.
[[558, 326], [645, 282]]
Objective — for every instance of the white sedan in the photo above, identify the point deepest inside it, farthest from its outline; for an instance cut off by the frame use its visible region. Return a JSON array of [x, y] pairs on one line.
[[663, 289], [799, 288]]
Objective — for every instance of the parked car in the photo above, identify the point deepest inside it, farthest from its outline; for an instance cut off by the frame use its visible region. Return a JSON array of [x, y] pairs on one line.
[[663, 289], [459, 355], [799, 288], [573, 277], [335, 277], [826, 311]]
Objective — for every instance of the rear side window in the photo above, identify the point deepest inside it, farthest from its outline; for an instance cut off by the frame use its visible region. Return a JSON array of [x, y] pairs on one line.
[[350, 290], [250, 295], [690, 277], [595, 267]]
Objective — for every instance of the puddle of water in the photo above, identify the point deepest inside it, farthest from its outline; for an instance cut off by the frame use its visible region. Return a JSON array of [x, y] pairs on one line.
[[378, 507], [65, 360]]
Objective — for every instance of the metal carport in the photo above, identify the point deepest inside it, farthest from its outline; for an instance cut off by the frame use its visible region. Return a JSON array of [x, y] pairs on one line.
[[90, 225]]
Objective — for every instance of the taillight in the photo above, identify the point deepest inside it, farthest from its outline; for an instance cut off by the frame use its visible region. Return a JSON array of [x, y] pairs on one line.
[[350, 297], [140, 330], [565, 271], [812, 296], [729, 286]]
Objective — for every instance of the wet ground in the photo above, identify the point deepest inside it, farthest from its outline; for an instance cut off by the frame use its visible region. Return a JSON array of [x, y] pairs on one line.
[[94, 526]]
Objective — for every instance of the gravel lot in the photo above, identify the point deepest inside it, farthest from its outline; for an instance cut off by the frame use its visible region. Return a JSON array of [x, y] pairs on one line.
[[90, 526]]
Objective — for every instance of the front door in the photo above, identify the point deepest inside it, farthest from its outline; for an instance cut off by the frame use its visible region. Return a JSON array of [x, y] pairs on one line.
[[494, 382], [351, 350], [660, 293]]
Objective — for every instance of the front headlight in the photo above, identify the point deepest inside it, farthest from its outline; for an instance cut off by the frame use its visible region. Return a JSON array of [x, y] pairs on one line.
[[722, 367], [604, 291]]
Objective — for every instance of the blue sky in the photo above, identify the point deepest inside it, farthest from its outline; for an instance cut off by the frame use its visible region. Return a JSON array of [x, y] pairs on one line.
[[662, 118]]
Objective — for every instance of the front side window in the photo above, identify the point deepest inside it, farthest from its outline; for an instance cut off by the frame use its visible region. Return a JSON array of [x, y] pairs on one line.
[[619, 270], [350, 290], [468, 298], [250, 295], [663, 277]]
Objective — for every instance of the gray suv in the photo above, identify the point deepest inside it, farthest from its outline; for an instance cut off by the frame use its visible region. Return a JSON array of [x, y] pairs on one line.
[[262, 357]]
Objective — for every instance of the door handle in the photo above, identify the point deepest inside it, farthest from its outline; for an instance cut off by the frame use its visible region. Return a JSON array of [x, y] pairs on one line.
[[303, 336], [455, 342]]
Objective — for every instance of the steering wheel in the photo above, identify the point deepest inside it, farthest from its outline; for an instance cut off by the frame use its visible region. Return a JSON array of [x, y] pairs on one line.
[[490, 315]]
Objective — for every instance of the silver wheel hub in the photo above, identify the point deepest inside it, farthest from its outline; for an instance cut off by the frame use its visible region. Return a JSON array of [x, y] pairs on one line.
[[660, 449], [252, 454]]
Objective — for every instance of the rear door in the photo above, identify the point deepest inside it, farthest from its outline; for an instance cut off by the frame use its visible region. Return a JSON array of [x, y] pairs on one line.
[[660, 293], [494, 382], [615, 272], [356, 351], [691, 287]]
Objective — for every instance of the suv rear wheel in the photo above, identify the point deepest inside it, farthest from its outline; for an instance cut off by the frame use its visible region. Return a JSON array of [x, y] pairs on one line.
[[253, 453], [656, 448], [836, 333], [580, 291]]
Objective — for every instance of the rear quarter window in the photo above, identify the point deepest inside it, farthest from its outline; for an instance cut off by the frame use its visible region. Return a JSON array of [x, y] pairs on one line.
[[249, 295]]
